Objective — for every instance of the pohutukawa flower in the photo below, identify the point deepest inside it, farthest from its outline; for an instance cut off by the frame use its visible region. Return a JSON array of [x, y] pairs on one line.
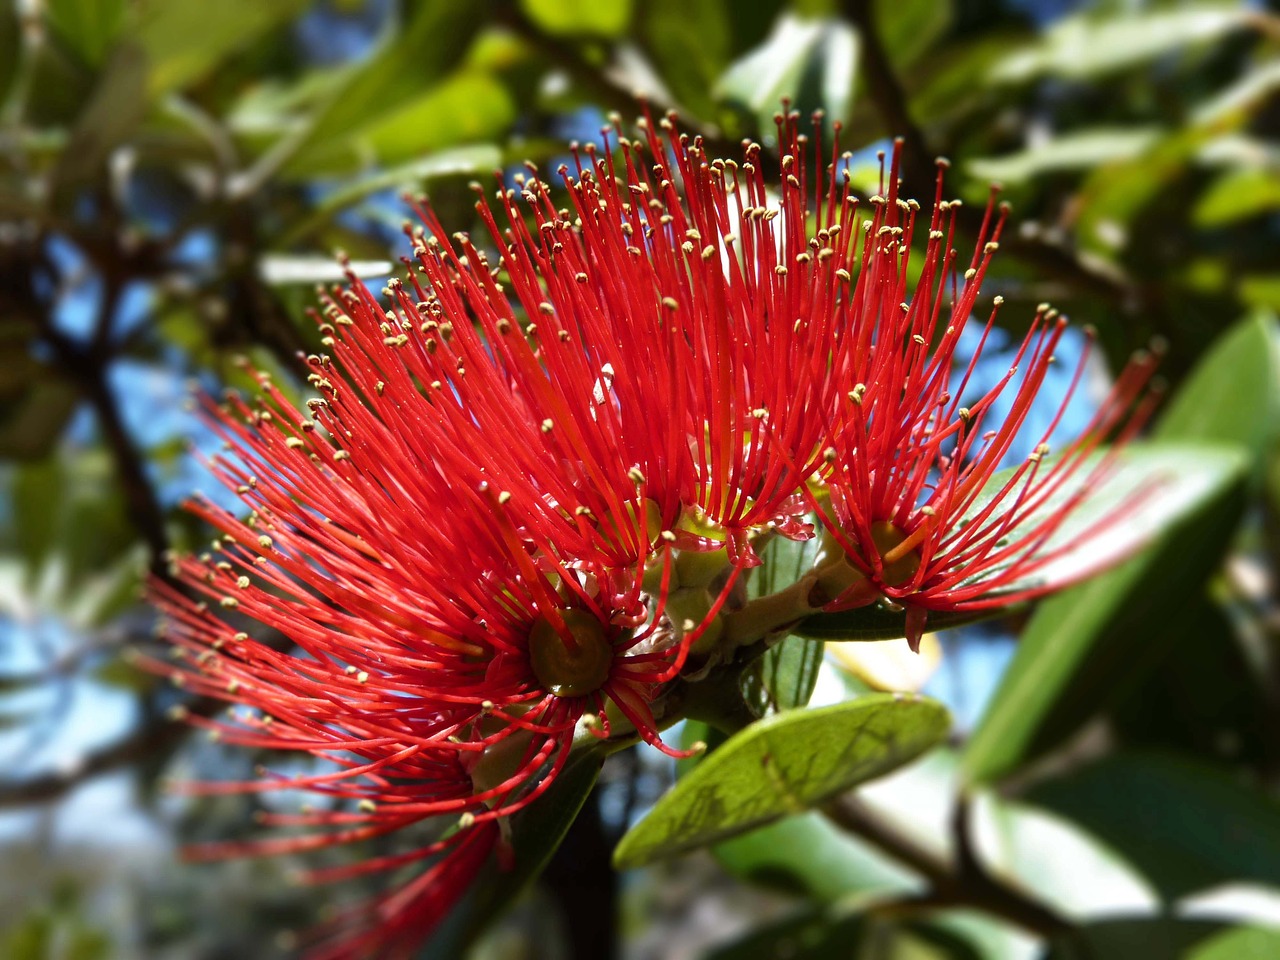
[[417, 629], [532, 479], [911, 518], [687, 322]]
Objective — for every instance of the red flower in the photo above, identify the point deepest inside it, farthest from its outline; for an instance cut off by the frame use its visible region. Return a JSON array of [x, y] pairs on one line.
[[446, 618], [684, 324], [910, 516]]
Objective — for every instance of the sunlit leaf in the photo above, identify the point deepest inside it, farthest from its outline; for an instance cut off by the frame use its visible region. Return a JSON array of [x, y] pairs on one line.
[[1186, 477], [184, 40], [812, 63], [1239, 194], [578, 17], [784, 764], [1079, 150], [1086, 46], [1086, 635]]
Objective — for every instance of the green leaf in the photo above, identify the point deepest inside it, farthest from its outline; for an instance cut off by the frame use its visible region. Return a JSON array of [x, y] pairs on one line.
[[821, 933], [1089, 636], [909, 28], [474, 161], [812, 63], [1237, 195], [185, 40], [117, 107], [31, 426], [1188, 475], [10, 49], [422, 52], [89, 27], [1233, 394], [689, 42], [35, 495], [789, 671], [536, 833], [579, 17], [1240, 943], [1078, 150], [1086, 46], [784, 764], [809, 856], [1186, 825], [1124, 938]]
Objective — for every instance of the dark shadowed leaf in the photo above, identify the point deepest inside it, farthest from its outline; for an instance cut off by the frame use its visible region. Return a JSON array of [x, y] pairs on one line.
[[822, 933], [784, 764], [536, 832], [1185, 824], [1128, 938]]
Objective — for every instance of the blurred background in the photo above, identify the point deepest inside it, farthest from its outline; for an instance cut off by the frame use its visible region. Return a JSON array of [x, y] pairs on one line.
[[174, 180]]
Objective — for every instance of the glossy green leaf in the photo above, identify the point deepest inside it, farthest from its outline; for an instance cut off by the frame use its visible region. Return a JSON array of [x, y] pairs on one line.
[[1079, 150], [1085, 46], [1088, 637], [1239, 943], [812, 63], [1185, 824], [579, 17], [422, 52], [89, 27], [536, 833], [1233, 395], [1080, 645], [784, 764], [184, 40]]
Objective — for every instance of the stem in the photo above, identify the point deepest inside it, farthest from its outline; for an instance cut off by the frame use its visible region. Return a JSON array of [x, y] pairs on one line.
[[963, 884]]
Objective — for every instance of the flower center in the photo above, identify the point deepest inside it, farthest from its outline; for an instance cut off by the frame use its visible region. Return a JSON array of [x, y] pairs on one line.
[[886, 536], [838, 578], [571, 669]]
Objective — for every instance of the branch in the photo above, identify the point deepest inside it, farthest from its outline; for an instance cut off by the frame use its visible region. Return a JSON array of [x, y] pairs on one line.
[[963, 884], [160, 735]]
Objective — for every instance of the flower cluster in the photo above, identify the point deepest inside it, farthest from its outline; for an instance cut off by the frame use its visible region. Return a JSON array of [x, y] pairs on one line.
[[536, 470]]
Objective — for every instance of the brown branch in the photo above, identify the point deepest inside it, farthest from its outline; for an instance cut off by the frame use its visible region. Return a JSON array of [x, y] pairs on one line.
[[962, 884], [160, 735]]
